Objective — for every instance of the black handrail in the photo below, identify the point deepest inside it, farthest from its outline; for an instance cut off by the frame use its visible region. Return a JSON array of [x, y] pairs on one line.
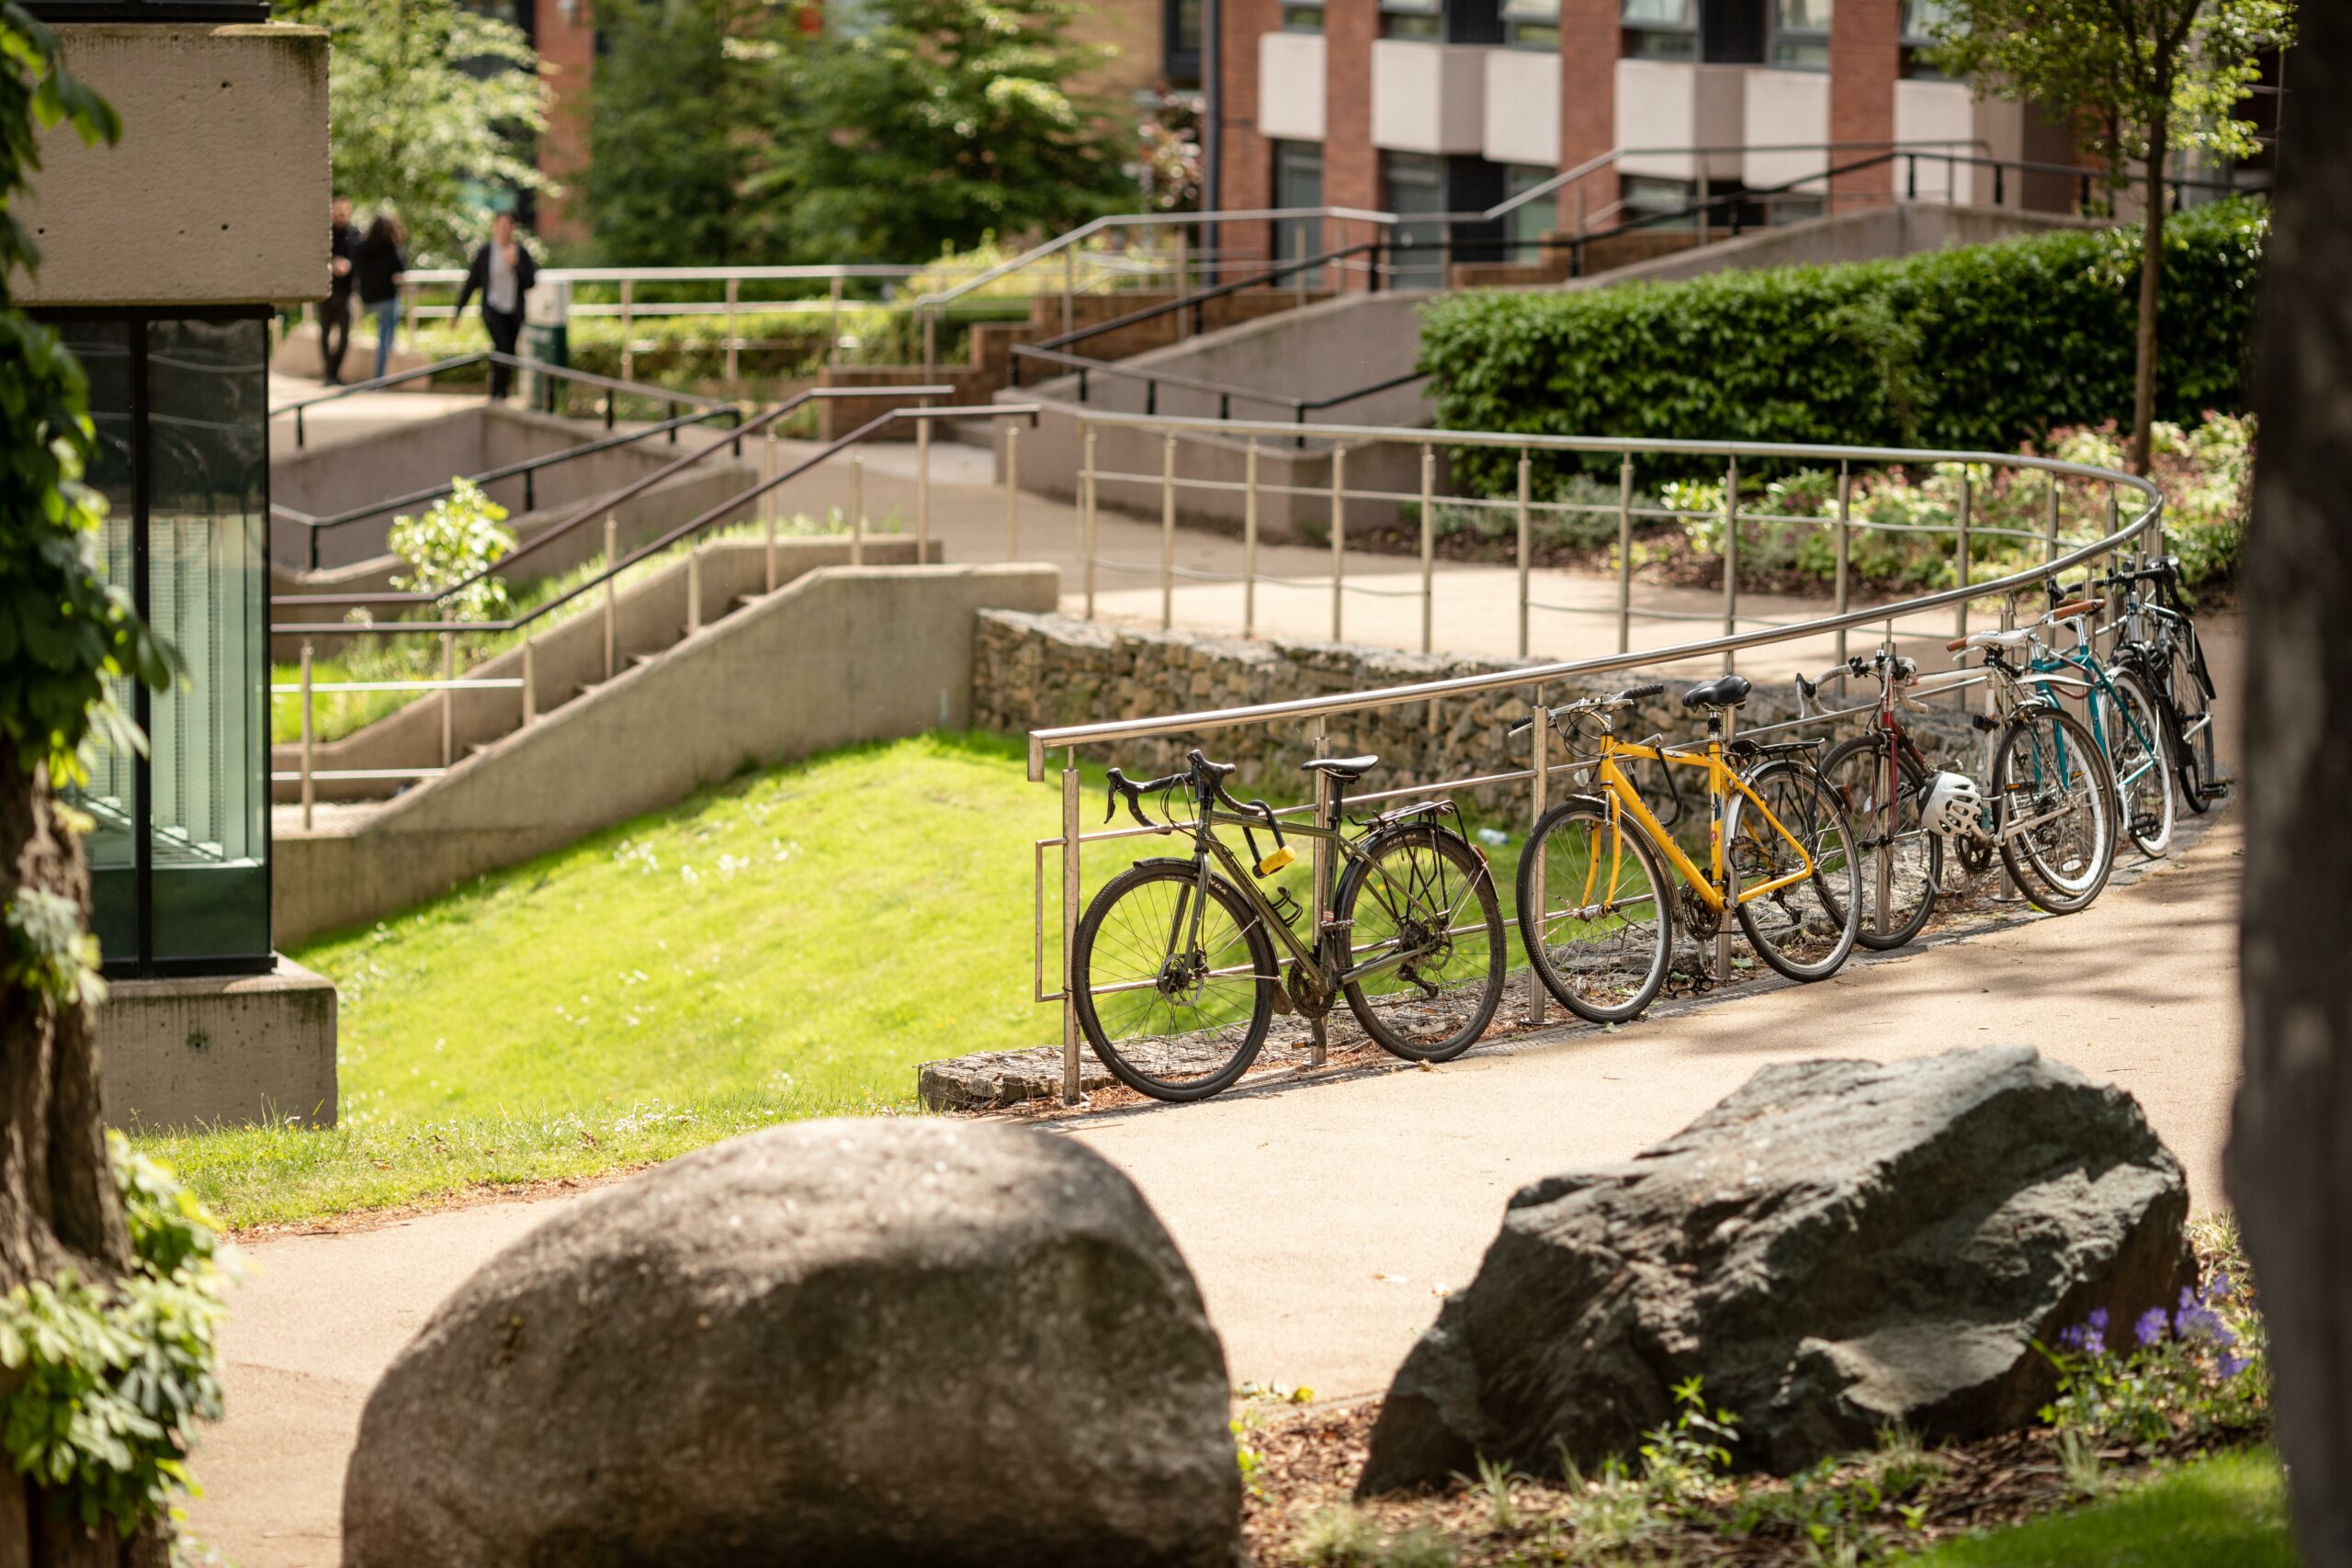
[[604, 504], [730, 507], [513, 362], [1225, 392]]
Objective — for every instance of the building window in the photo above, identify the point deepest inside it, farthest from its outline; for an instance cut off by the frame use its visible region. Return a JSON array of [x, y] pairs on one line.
[[1532, 23], [1302, 17], [1920, 18], [1179, 27], [1525, 225], [1298, 182], [1800, 34], [1443, 21], [180, 855], [1412, 18], [1660, 30]]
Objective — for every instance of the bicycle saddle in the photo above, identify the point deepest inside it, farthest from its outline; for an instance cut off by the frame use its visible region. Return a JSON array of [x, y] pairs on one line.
[[1722, 692], [1349, 768], [2017, 638]]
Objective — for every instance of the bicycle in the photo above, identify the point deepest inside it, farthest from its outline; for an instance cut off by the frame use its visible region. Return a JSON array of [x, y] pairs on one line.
[[2051, 814], [1882, 776], [2159, 644], [2123, 721], [1174, 972], [1598, 928]]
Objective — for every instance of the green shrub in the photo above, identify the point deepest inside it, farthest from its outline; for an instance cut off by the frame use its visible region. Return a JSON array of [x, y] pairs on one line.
[[1973, 348], [460, 534]]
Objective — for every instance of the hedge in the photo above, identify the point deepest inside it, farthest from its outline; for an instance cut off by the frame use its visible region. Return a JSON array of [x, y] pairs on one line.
[[1974, 347]]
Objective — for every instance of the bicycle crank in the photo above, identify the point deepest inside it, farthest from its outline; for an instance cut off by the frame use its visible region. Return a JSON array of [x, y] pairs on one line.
[[1701, 919], [1309, 997]]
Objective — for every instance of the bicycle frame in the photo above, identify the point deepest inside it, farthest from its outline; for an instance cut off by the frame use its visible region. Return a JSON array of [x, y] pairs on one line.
[[2050, 661], [1623, 797]]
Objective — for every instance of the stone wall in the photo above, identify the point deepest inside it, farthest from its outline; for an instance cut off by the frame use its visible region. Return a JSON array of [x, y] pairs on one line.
[[1034, 670]]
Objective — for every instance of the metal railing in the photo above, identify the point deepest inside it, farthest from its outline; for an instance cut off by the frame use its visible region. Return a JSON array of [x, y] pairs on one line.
[[1318, 714], [712, 408]]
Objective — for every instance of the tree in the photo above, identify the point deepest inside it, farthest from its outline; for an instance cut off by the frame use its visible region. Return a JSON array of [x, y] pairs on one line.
[[2288, 1174], [939, 123], [682, 95], [2141, 79], [435, 106], [65, 633]]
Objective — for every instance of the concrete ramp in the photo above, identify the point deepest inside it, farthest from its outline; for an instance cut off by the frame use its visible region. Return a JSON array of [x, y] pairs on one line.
[[839, 655]]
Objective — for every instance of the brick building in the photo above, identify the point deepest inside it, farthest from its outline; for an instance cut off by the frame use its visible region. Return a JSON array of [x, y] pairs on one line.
[[1450, 106]]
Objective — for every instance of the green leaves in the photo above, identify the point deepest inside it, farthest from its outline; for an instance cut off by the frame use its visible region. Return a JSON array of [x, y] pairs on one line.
[[457, 541]]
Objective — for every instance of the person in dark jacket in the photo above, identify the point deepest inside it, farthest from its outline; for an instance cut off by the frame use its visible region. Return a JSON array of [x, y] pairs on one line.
[[502, 271], [335, 316], [377, 266]]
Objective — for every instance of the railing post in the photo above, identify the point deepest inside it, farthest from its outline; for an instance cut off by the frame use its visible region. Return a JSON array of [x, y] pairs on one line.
[[767, 476], [1249, 542], [1166, 530], [930, 344], [1429, 546], [1910, 177], [530, 490], [1086, 520], [694, 586], [628, 353], [1012, 491], [1731, 555], [1626, 553], [449, 699], [530, 682], [733, 342], [1072, 891], [612, 560], [1526, 521], [1960, 563], [857, 509], [923, 490], [308, 731], [2051, 529], [833, 320], [768, 529], [1845, 545], [1069, 292], [1539, 801], [298, 436], [1183, 281], [1702, 212], [1322, 743], [1338, 534], [1998, 172]]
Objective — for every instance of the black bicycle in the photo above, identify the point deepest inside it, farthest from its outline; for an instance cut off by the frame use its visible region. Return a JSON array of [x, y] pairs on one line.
[[2159, 644], [1176, 972]]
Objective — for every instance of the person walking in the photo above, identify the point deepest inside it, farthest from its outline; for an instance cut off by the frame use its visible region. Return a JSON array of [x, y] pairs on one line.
[[377, 264], [504, 272], [335, 316]]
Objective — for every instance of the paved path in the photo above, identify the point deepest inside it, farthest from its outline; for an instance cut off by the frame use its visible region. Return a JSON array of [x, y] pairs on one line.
[[1321, 1220]]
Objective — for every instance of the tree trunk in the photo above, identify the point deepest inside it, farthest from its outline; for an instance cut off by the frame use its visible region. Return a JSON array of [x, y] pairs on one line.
[[2290, 1162], [58, 1205], [2152, 256]]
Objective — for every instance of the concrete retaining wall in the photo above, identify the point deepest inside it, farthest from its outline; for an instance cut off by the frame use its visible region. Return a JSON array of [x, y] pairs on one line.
[[842, 655], [237, 1050]]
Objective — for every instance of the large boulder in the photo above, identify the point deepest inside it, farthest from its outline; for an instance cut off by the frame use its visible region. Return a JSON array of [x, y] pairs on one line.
[[869, 1342], [1838, 1247]]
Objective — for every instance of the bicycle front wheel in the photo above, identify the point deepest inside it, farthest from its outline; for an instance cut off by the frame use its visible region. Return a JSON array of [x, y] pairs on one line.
[[1420, 902], [2054, 808], [2136, 752], [1794, 878], [2193, 741], [1600, 928], [1176, 1006], [1881, 791]]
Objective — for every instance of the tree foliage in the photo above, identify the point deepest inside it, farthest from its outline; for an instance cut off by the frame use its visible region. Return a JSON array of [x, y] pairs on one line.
[[2141, 79], [434, 108]]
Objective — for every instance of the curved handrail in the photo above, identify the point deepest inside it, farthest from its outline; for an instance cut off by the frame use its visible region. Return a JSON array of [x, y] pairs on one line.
[[513, 362], [1043, 739], [1088, 230]]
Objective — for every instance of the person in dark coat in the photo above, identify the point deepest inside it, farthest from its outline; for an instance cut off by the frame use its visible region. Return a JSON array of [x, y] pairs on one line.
[[503, 272], [335, 316], [377, 266]]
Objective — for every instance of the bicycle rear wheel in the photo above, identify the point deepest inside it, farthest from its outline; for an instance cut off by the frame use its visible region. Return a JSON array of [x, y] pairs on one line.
[[1600, 931], [2193, 740], [1423, 896], [2136, 752], [1172, 1017], [2053, 807], [1887, 836], [1805, 927]]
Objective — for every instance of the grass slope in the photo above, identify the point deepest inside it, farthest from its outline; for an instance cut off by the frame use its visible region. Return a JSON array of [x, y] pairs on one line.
[[2227, 1508]]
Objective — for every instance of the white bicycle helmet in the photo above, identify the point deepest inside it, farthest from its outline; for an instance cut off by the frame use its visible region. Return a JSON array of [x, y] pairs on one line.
[[1951, 805]]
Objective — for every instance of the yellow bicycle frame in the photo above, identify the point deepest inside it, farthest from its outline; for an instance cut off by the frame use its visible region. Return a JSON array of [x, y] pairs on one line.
[[1625, 799]]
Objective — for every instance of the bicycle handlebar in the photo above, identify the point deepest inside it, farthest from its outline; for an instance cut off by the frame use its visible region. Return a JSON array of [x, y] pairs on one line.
[[1625, 698]]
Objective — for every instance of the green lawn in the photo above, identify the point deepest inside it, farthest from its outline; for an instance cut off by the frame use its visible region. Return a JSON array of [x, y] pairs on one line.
[[2228, 1508], [789, 944]]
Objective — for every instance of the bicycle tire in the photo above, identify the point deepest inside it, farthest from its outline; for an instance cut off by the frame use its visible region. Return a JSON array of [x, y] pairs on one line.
[[1834, 884], [2031, 869], [1226, 1054], [1905, 921], [1557, 835], [1447, 1018], [2139, 766], [2185, 685]]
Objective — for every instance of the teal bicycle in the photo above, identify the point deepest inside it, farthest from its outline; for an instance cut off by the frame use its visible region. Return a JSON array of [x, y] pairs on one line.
[[2122, 713]]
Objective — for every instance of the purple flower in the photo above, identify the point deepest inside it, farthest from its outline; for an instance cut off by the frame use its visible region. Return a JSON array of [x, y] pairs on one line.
[[2219, 1290], [2194, 1320], [2151, 1327], [2087, 1337], [2230, 1366], [2097, 1323]]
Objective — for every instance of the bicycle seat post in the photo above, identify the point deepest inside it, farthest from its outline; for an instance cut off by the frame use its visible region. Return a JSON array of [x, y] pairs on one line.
[[1721, 725]]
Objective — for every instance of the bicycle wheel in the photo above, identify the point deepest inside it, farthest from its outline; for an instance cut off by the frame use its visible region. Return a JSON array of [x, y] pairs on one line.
[[1423, 896], [1805, 927], [1599, 932], [1174, 1018], [1887, 836], [2193, 715], [2053, 806], [2135, 755]]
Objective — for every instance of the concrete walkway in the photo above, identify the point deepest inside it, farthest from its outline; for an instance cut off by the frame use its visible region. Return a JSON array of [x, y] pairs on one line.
[[1323, 1220]]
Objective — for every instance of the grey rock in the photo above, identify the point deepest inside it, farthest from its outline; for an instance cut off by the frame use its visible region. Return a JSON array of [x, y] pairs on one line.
[[989, 1080], [1838, 1247], [871, 1342]]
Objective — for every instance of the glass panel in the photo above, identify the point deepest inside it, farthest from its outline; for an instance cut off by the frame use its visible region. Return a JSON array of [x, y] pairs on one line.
[[1303, 18], [1801, 16], [1298, 182], [1417, 184], [207, 587], [1533, 24], [1527, 223], [1920, 17], [1656, 13], [112, 798]]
